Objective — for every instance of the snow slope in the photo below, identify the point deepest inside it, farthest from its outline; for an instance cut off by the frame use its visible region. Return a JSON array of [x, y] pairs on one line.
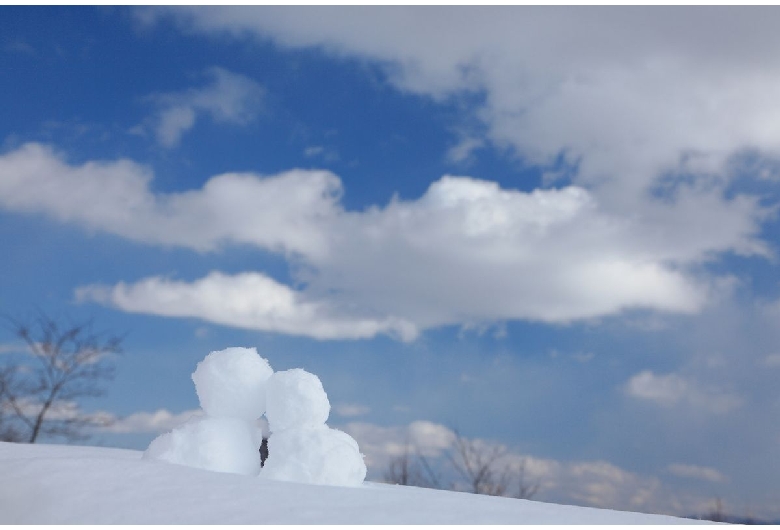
[[82, 485]]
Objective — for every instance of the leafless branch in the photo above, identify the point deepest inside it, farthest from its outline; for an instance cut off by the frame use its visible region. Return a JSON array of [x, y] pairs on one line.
[[64, 365], [478, 467]]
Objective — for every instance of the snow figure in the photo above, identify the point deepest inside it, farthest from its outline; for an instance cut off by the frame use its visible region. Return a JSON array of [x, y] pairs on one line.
[[231, 388], [301, 447], [235, 388]]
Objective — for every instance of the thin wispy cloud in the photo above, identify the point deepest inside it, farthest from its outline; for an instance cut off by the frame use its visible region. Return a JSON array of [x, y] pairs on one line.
[[350, 410], [697, 472], [157, 422], [19, 46], [326, 154], [672, 389], [228, 98], [463, 150], [12, 348]]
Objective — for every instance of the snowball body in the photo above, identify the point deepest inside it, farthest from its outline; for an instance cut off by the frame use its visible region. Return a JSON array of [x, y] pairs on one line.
[[229, 445], [315, 455], [231, 383], [295, 398]]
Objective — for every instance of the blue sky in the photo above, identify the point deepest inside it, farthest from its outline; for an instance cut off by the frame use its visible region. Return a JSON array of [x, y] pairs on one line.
[[552, 228]]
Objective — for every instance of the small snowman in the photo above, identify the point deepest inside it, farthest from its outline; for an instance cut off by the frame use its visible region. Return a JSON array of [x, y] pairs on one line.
[[302, 448], [231, 388]]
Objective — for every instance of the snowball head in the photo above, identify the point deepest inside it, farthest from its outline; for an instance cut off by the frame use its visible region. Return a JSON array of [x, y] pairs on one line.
[[295, 398], [228, 445], [314, 455], [231, 383]]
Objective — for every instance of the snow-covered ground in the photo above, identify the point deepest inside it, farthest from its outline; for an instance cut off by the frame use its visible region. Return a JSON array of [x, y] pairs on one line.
[[82, 485]]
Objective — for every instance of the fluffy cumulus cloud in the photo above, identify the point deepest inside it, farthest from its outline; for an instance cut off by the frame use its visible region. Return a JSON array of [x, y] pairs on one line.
[[650, 160], [280, 213], [466, 252], [583, 92], [228, 98], [248, 300], [592, 85], [589, 89]]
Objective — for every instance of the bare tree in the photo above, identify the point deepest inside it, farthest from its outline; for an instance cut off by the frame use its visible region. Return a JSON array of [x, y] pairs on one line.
[[39, 390], [717, 514], [401, 470], [525, 490], [479, 467], [409, 469], [485, 469]]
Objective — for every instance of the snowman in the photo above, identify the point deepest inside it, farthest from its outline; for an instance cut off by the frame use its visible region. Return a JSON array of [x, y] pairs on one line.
[[302, 448], [231, 388]]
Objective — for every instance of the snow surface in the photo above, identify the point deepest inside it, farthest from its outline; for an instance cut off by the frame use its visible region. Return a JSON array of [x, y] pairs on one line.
[[55, 484]]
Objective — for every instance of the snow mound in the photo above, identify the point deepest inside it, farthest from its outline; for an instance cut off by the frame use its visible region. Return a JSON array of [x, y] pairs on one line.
[[296, 399], [231, 383], [234, 387], [229, 445]]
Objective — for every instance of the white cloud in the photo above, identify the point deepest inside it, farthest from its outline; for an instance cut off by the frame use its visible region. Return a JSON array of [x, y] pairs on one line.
[[248, 300], [12, 348], [772, 360], [592, 84], [351, 410], [314, 150], [467, 252], [59, 410], [463, 149], [673, 389], [279, 213], [697, 472], [19, 46], [325, 153], [173, 122], [159, 421], [663, 389], [381, 444], [589, 86], [229, 98], [583, 357]]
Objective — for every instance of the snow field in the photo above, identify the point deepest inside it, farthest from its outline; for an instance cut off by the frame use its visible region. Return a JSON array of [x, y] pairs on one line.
[[235, 388], [58, 484]]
